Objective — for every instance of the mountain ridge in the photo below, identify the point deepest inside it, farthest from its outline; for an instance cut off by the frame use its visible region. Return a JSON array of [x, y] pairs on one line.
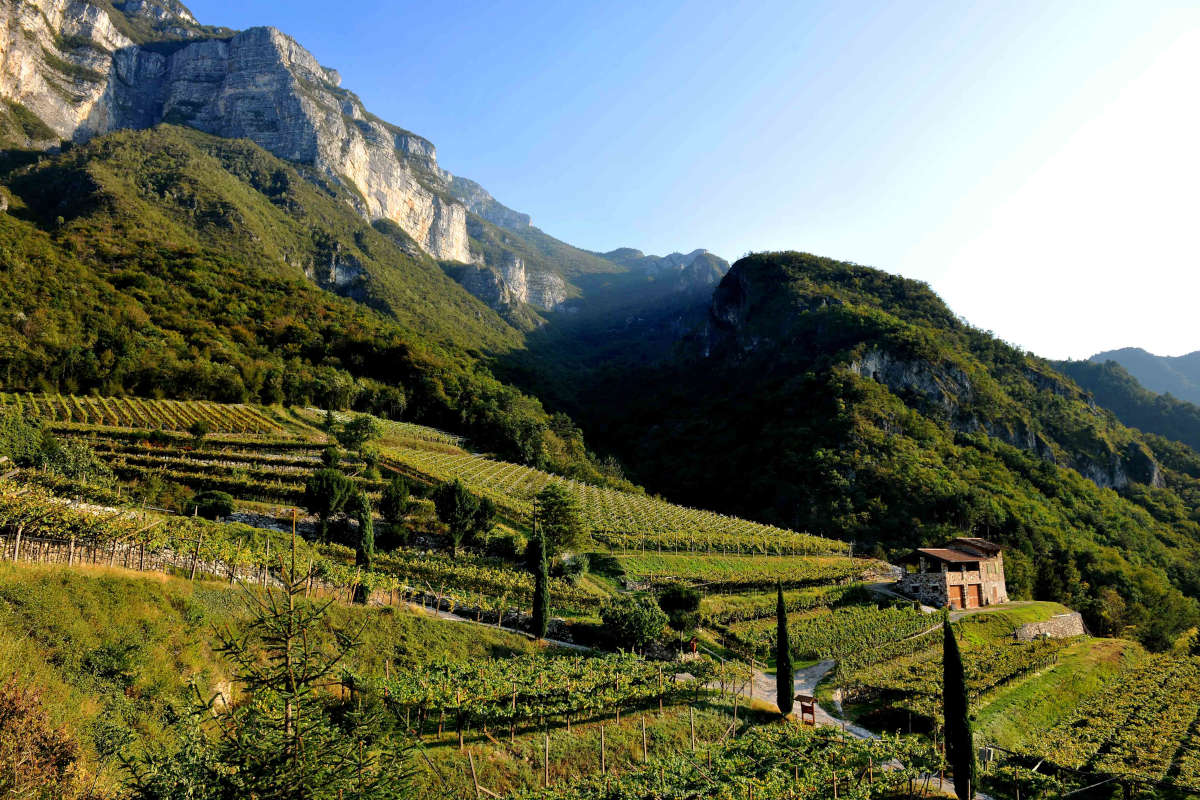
[[1175, 375]]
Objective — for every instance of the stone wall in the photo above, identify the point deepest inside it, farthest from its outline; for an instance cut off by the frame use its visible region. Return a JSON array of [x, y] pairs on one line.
[[1060, 626]]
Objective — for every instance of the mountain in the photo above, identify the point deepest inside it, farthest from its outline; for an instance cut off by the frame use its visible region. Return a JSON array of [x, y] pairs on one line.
[[1136, 406], [194, 211], [1175, 375], [832, 397], [83, 69]]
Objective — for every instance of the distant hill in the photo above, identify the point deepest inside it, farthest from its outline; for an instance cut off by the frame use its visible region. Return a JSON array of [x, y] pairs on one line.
[[1136, 406], [831, 397], [1176, 375]]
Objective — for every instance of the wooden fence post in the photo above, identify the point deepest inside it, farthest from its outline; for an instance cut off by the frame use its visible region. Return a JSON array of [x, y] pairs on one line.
[[603, 759], [645, 743], [196, 555]]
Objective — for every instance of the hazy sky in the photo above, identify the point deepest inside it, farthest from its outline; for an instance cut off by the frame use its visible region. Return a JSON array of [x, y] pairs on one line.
[[1036, 162]]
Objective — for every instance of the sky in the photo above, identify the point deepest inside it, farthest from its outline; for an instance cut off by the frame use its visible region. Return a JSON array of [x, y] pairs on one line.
[[1037, 163]]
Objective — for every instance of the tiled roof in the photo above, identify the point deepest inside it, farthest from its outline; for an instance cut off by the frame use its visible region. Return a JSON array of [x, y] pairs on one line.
[[982, 545], [945, 554]]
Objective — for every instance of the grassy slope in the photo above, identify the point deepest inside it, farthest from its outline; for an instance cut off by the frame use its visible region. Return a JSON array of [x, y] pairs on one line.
[[114, 650], [1023, 711]]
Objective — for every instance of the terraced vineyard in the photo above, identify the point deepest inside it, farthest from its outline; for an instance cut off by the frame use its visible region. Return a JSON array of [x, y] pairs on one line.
[[854, 636], [624, 522], [136, 412], [1135, 728], [717, 573]]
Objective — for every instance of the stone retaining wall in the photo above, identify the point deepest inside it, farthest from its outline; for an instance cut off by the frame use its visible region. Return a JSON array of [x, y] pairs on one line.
[[1060, 626]]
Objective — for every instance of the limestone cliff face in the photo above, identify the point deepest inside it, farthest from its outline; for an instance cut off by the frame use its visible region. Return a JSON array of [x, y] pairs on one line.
[[69, 63], [508, 285]]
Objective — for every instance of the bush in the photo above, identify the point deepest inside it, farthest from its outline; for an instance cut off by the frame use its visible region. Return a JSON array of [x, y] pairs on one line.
[[573, 568], [212, 504], [681, 604], [509, 546], [631, 624], [35, 756]]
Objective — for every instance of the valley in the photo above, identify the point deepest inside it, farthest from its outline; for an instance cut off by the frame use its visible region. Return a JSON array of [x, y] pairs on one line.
[[325, 474]]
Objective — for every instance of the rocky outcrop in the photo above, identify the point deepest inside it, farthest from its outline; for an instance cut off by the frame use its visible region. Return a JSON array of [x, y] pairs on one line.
[[68, 63], [945, 387], [479, 202], [509, 285]]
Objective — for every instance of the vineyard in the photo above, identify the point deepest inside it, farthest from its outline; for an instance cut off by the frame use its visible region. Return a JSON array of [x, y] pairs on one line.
[[139, 540], [622, 521], [136, 412], [914, 682], [739, 574], [518, 691], [1142, 727], [795, 762], [854, 636]]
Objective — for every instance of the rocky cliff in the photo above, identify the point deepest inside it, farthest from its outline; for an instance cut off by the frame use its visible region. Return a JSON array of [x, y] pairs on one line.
[[81, 69], [509, 284]]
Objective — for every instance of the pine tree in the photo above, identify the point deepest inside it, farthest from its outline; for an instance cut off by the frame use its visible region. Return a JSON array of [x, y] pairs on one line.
[[541, 587], [960, 745], [785, 677]]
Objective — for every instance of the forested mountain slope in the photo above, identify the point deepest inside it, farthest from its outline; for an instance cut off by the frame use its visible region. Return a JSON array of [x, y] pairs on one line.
[[831, 397], [1114, 388], [169, 262]]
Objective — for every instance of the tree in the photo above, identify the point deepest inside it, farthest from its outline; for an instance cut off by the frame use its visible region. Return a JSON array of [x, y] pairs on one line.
[[960, 745], [212, 504], [199, 429], [394, 505], [331, 457], [325, 494], [354, 434], [360, 507], [558, 519], [288, 739], [541, 588], [631, 624], [681, 604], [464, 514], [785, 678]]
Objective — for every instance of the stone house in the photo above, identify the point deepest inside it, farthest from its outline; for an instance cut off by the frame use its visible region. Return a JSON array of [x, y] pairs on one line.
[[966, 573]]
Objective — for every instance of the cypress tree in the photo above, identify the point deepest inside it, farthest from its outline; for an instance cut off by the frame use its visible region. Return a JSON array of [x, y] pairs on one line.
[[541, 588], [785, 679], [365, 552], [960, 745]]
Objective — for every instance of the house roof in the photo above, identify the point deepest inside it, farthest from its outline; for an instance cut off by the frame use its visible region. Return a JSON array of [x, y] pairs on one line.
[[982, 545], [948, 555]]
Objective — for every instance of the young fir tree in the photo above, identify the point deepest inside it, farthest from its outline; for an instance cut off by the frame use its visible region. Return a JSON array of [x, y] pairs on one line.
[[541, 586], [283, 735], [785, 679], [960, 745]]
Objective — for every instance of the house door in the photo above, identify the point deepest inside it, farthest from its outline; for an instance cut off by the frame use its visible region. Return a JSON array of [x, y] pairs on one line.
[[975, 595], [958, 596]]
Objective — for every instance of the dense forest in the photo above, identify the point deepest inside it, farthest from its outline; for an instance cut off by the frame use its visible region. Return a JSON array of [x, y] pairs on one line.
[[864, 409]]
